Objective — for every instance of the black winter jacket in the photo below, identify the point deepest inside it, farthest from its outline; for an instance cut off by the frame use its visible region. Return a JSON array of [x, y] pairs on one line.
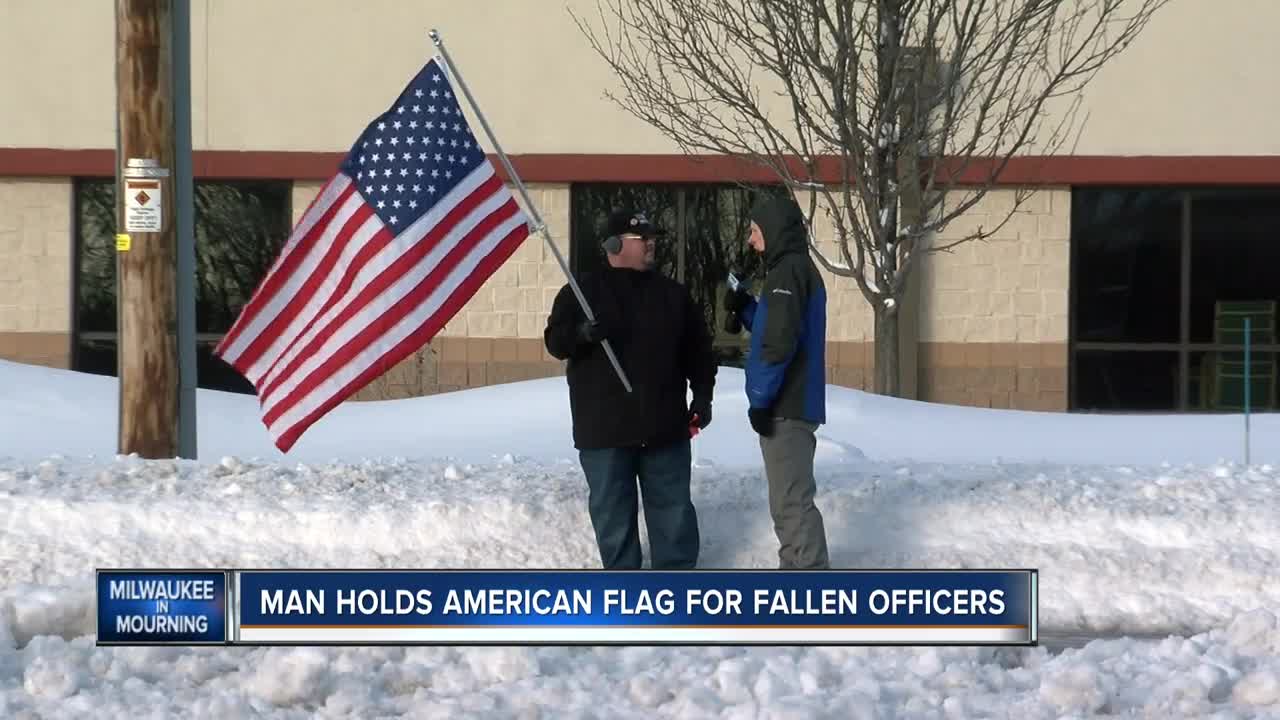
[[662, 342]]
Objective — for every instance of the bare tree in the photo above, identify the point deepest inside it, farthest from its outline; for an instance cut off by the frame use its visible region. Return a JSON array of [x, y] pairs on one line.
[[894, 117]]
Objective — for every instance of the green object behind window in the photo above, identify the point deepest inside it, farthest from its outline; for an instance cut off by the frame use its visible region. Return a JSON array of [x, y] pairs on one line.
[[1229, 367]]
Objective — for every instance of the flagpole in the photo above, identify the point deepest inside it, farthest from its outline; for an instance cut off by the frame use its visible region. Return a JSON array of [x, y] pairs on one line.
[[540, 226]]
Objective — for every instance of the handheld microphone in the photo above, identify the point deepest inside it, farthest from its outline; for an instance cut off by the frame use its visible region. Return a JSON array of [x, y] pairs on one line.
[[732, 323]]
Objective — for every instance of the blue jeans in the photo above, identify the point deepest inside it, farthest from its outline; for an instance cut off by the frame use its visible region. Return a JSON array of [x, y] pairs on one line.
[[664, 476]]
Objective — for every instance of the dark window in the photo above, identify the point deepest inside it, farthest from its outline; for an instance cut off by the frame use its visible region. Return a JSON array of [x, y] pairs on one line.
[[239, 230], [1127, 245], [1163, 282], [708, 233], [96, 353], [1235, 255], [1130, 380], [95, 310]]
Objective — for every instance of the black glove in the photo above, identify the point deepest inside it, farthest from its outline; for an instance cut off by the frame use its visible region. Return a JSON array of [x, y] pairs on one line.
[[735, 301], [592, 331], [761, 420], [701, 408]]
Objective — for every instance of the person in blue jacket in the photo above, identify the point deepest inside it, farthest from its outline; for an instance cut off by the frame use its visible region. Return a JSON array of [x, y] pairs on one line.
[[786, 375]]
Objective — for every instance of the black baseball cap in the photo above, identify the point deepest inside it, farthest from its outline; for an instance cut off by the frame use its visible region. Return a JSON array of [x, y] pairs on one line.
[[631, 222]]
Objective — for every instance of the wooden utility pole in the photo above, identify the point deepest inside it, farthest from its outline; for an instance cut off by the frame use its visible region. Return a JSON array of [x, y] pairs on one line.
[[146, 249]]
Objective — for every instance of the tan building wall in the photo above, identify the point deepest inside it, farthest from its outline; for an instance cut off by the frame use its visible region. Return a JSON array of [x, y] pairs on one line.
[[35, 271], [993, 314], [990, 316], [850, 324], [541, 85]]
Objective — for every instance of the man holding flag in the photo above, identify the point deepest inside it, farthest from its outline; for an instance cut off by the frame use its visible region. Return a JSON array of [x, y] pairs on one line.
[[413, 223], [637, 439]]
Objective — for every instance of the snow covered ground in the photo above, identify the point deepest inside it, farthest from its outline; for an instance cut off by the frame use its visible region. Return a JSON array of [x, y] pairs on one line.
[[1140, 526]]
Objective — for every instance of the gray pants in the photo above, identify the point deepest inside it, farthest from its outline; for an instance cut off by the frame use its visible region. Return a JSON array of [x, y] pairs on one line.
[[788, 464]]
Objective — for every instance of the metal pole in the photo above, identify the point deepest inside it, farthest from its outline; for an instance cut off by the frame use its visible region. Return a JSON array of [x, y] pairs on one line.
[[185, 218], [540, 226], [1248, 335]]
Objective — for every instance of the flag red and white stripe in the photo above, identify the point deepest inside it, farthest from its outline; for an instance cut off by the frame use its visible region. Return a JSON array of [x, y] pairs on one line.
[[370, 273]]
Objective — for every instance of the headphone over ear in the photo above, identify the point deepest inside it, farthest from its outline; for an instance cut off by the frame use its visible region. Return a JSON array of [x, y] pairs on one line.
[[613, 244]]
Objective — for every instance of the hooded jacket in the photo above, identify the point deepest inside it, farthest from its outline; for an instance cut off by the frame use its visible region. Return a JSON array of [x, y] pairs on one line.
[[786, 365], [661, 339]]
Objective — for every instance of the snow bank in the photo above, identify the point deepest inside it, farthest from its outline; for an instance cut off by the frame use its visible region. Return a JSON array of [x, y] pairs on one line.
[[58, 412], [1182, 550], [1131, 535]]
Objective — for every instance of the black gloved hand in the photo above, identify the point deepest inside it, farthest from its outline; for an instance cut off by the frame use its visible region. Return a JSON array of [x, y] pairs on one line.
[[761, 421], [592, 331], [700, 413], [735, 301]]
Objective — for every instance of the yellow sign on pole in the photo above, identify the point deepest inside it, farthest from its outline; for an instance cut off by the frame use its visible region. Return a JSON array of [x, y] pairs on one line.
[[123, 242]]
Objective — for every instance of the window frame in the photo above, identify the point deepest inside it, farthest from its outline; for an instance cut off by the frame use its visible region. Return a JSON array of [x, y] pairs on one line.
[[1184, 346]]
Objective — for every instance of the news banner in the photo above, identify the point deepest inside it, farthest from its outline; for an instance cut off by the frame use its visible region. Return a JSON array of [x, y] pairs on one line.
[[566, 607]]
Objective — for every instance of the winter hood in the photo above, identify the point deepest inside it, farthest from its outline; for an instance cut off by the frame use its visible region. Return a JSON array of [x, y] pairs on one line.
[[782, 222]]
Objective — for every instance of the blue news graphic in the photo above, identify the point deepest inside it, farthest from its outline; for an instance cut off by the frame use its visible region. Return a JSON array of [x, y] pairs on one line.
[[593, 598], [148, 606]]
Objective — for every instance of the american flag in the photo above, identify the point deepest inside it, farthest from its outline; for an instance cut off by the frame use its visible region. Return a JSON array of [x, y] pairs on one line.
[[406, 232]]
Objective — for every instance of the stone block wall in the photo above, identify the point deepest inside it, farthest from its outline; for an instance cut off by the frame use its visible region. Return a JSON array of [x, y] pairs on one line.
[[994, 312], [36, 270]]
